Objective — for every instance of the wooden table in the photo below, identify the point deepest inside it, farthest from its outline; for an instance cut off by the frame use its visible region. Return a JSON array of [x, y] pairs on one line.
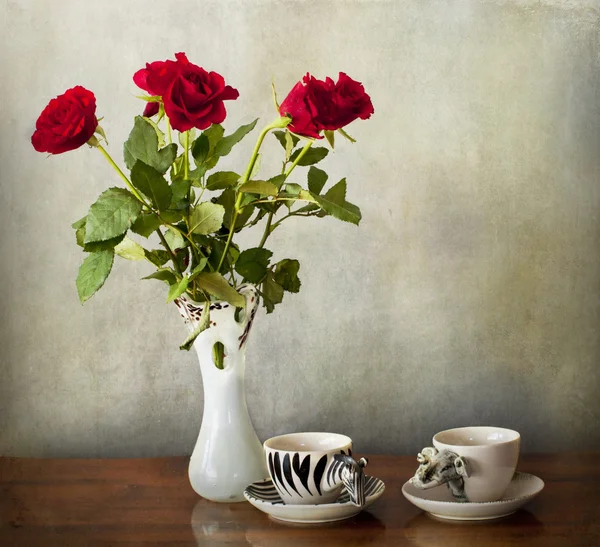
[[149, 502]]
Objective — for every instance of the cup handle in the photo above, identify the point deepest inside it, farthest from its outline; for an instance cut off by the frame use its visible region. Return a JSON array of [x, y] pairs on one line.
[[346, 469], [445, 467]]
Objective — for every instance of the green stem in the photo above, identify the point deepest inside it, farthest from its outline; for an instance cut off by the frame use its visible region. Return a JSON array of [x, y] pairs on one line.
[[122, 175], [277, 124], [190, 240], [268, 228], [267, 231], [254, 156], [282, 219], [300, 156], [275, 200], [169, 250], [234, 218], [169, 130], [186, 156]]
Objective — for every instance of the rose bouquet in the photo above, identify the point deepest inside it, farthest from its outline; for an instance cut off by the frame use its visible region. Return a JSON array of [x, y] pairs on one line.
[[174, 191]]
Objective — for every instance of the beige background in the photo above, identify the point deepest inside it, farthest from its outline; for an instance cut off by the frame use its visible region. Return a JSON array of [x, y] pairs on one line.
[[469, 294]]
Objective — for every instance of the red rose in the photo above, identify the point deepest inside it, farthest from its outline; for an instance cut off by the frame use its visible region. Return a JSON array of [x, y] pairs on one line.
[[158, 76], [351, 103], [67, 123], [195, 98], [315, 105], [299, 106]]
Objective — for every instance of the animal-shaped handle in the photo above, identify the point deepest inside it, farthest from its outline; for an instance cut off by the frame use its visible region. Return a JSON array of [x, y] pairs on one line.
[[445, 467], [346, 469]]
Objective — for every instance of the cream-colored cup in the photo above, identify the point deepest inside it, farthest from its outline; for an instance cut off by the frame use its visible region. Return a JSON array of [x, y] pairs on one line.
[[312, 468], [477, 463]]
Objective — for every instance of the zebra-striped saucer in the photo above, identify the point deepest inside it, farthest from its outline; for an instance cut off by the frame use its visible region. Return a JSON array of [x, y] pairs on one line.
[[264, 496]]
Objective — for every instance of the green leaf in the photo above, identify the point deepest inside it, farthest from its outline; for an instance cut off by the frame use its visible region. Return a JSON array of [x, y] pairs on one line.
[[159, 134], [227, 200], [111, 215], [79, 223], [215, 247], [79, 230], [103, 245], [200, 149], [277, 180], [195, 175], [146, 224], [206, 218], [224, 146], [262, 187], [152, 184], [171, 216], [311, 207], [178, 289], [202, 325], [286, 274], [345, 135], [272, 293], [176, 172], [93, 273], [179, 191], [80, 236], [334, 203], [289, 145], [214, 283], [130, 250], [221, 180], [158, 257], [174, 239], [337, 193], [313, 155], [167, 275], [199, 267], [293, 189], [282, 137], [247, 200], [316, 179], [214, 134], [330, 136], [252, 264], [142, 145]]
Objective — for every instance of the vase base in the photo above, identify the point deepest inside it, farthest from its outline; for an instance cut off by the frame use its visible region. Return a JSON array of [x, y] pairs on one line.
[[231, 499]]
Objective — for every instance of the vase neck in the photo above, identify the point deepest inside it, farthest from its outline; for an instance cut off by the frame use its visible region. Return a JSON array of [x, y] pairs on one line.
[[224, 327]]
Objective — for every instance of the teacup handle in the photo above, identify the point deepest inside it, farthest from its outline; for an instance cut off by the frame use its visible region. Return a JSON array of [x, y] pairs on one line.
[[445, 467], [345, 469]]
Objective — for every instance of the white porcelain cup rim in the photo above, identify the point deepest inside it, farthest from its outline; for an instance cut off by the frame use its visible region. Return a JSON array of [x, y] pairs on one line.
[[307, 442], [480, 436]]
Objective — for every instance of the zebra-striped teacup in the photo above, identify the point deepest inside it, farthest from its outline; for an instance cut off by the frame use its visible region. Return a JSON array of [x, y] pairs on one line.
[[312, 468]]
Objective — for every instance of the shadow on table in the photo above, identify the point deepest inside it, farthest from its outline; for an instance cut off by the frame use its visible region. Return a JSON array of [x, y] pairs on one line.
[[427, 531]]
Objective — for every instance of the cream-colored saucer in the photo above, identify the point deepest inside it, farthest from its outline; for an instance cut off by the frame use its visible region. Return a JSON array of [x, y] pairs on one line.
[[440, 503], [264, 496]]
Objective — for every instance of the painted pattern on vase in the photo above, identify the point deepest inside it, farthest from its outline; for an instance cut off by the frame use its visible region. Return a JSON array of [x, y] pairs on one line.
[[228, 456]]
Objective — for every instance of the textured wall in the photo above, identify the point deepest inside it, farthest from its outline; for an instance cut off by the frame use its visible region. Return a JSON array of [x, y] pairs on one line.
[[469, 294]]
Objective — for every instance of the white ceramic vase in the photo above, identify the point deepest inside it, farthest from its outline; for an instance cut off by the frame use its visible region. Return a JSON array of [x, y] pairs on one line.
[[228, 455]]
